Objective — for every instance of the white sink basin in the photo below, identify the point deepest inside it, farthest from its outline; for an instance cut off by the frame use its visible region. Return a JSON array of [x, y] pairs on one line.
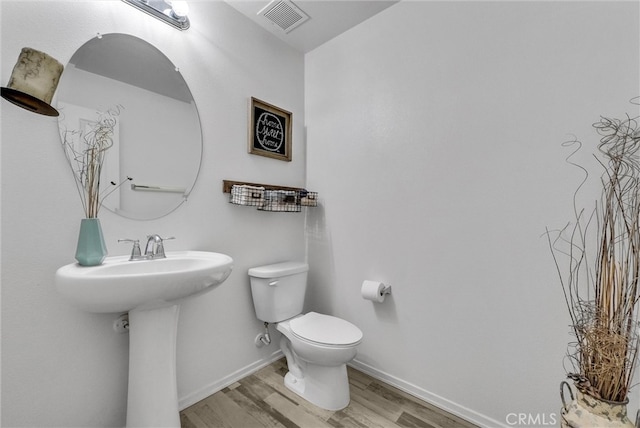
[[120, 285]]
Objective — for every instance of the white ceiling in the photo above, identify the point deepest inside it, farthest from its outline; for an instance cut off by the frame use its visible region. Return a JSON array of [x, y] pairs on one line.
[[328, 18]]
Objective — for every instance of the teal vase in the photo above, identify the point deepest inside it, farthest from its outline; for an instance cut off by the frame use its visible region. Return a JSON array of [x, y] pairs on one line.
[[91, 250]]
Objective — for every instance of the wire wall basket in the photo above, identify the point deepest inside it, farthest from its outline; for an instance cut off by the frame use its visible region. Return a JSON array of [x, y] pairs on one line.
[[281, 201], [272, 199], [247, 195]]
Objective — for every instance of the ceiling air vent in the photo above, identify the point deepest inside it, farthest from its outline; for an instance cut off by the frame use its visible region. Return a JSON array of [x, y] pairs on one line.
[[284, 14]]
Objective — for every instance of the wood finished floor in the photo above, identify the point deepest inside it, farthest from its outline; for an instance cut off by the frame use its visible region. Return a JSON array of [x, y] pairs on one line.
[[262, 400]]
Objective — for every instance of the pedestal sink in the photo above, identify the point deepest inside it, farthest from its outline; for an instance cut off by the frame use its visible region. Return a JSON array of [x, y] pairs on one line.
[[151, 291]]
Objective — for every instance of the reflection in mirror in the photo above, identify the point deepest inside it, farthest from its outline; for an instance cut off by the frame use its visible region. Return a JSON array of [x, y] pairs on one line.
[[157, 139]]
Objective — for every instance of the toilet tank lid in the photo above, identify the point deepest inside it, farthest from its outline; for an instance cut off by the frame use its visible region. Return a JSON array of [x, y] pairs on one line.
[[277, 270]]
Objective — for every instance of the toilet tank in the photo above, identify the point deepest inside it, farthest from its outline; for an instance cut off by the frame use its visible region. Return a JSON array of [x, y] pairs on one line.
[[278, 290]]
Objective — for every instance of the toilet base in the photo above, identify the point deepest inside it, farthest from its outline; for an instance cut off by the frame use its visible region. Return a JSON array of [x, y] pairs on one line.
[[325, 387]]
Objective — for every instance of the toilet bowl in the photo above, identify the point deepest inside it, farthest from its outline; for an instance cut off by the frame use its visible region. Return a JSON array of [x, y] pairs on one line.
[[317, 348], [322, 339]]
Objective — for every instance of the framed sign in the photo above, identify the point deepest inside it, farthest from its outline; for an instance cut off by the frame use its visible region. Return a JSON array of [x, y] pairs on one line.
[[269, 131]]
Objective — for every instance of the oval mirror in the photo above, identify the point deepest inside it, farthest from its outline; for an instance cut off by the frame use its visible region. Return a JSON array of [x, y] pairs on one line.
[[157, 138]]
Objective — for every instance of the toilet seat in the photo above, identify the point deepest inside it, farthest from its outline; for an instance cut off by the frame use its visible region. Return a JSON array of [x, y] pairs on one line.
[[325, 330]]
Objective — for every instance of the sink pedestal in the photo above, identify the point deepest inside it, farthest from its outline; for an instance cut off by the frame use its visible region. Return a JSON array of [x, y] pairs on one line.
[[153, 393]]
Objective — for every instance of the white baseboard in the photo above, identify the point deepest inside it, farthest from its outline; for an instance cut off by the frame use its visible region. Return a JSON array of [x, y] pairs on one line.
[[447, 405], [218, 385]]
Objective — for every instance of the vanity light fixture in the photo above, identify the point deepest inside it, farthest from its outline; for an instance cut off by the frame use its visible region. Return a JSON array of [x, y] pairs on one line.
[[33, 82], [172, 12]]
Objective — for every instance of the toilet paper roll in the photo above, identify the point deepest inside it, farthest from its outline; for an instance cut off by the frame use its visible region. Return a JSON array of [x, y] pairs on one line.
[[373, 290]]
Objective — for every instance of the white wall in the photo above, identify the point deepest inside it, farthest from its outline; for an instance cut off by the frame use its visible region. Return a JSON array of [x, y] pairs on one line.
[[64, 367], [434, 134]]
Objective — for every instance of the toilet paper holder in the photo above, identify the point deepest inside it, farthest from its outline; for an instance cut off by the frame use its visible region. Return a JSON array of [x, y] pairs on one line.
[[375, 291]]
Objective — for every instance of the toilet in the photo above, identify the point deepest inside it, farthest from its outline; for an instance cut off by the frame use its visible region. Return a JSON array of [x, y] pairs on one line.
[[317, 347]]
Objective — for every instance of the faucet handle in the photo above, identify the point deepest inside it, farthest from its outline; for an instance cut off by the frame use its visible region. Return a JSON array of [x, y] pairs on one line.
[[161, 246], [128, 240], [135, 251]]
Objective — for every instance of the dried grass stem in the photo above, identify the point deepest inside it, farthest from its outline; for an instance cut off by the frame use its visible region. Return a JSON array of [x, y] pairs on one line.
[[602, 296], [85, 151]]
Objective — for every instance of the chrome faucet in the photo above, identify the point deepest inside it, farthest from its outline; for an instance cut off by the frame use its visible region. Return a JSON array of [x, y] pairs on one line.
[[153, 250], [155, 247]]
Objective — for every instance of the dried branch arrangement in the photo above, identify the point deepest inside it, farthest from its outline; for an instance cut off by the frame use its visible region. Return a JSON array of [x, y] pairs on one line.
[[85, 151], [602, 293]]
